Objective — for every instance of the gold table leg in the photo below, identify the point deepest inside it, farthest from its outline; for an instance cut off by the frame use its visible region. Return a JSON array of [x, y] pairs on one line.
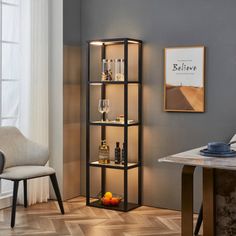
[[187, 201], [208, 202]]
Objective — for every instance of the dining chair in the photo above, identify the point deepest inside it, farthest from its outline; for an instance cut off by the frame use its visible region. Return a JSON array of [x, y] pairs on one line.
[[22, 159]]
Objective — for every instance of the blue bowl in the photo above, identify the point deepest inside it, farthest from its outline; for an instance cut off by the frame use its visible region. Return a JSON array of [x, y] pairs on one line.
[[218, 147]]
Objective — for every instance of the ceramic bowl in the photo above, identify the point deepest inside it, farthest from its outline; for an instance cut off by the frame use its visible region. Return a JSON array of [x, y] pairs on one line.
[[218, 147]]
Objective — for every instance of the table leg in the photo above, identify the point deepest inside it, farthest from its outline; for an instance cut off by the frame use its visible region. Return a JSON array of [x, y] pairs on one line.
[[208, 202], [187, 200]]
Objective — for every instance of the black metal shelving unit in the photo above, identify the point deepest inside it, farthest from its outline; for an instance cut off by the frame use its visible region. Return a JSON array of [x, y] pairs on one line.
[[124, 205]]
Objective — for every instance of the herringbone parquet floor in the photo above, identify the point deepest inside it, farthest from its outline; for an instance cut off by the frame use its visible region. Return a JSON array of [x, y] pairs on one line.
[[45, 219]]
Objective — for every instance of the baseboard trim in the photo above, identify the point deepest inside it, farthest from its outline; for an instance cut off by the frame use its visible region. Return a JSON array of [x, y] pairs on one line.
[[5, 200]]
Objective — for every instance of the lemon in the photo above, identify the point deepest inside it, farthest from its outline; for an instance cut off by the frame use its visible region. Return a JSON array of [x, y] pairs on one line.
[[108, 195]]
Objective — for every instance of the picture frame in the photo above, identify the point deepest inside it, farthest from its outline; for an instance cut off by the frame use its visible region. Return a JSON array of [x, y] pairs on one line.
[[184, 79]]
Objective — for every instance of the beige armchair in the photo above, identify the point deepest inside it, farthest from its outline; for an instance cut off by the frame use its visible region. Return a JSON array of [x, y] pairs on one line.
[[21, 159]]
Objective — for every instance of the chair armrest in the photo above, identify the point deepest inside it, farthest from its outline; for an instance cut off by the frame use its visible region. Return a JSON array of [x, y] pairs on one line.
[[2, 162]]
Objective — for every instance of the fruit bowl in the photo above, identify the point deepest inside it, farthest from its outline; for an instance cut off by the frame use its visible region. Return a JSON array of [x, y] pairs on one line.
[[110, 199]]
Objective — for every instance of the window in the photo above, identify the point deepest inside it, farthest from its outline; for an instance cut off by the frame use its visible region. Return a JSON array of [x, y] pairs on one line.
[[9, 69]]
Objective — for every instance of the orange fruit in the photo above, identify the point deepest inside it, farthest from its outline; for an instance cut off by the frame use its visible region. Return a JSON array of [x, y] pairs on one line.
[[106, 201], [108, 195], [114, 201]]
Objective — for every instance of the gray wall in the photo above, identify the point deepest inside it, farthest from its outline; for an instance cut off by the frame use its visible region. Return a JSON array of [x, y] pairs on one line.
[[163, 23], [71, 22]]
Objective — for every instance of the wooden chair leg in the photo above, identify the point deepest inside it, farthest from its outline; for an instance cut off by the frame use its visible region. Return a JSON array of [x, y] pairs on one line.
[[199, 222], [57, 191], [14, 199], [25, 193]]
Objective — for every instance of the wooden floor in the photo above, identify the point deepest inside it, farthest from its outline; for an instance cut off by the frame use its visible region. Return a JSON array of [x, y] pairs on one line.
[[45, 219]]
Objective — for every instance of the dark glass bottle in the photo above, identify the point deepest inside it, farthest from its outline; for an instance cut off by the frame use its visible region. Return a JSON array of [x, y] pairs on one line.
[[117, 153], [123, 154]]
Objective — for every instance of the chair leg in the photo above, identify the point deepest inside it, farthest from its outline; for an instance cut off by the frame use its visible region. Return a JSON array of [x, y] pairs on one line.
[[199, 222], [25, 193], [57, 191], [14, 199]]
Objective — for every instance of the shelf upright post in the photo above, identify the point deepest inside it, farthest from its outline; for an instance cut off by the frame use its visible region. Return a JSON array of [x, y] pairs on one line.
[[126, 124], [103, 128], [140, 72], [88, 131]]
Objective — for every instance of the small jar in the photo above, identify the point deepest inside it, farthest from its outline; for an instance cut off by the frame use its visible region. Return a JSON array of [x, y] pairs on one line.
[[119, 69], [107, 66], [120, 118]]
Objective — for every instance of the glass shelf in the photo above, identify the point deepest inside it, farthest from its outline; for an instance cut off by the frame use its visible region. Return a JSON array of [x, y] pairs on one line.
[[99, 82], [114, 123], [100, 42], [112, 165], [130, 206]]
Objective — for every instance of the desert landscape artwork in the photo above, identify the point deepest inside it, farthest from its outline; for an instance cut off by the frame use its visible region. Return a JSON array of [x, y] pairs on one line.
[[184, 79]]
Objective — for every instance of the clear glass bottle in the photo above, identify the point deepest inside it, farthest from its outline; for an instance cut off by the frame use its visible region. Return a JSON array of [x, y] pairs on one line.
[[107, 67], [119, 69], [104, 153]]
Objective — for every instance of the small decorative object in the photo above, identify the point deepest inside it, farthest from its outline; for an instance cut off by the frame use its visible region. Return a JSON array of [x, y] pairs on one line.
[[104, 107], [120, 118], [123, 154], [117, 153], [110, 199], [219, 149], [104, 153], [184, 79], [119, 69], [107, 70]]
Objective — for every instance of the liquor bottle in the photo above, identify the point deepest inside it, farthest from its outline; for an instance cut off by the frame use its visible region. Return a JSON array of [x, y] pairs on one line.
[[123, 154], [117, 153], [104, 153]]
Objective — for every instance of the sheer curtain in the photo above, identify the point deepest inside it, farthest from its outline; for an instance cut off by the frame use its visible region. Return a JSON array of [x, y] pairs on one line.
[[33, 118]]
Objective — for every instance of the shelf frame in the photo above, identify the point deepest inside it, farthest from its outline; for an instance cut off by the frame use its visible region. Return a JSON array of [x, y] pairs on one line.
[[126, 124], [125, 205]]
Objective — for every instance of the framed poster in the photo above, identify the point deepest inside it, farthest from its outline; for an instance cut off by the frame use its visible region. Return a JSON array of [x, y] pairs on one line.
[[184, 89]]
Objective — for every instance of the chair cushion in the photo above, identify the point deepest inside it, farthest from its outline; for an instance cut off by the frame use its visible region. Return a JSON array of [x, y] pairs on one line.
[[26, 172]]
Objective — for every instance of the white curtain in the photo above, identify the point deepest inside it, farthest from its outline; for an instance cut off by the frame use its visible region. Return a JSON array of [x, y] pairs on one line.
[[34, 86]]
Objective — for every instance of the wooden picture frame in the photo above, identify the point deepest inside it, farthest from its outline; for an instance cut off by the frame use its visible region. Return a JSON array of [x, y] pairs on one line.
[[184, 79]]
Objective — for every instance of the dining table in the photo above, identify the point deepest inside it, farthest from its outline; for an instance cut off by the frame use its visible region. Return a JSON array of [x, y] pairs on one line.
[[219, 191]]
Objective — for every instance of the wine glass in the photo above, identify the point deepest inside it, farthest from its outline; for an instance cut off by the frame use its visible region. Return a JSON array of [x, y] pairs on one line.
[[104, 107]]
